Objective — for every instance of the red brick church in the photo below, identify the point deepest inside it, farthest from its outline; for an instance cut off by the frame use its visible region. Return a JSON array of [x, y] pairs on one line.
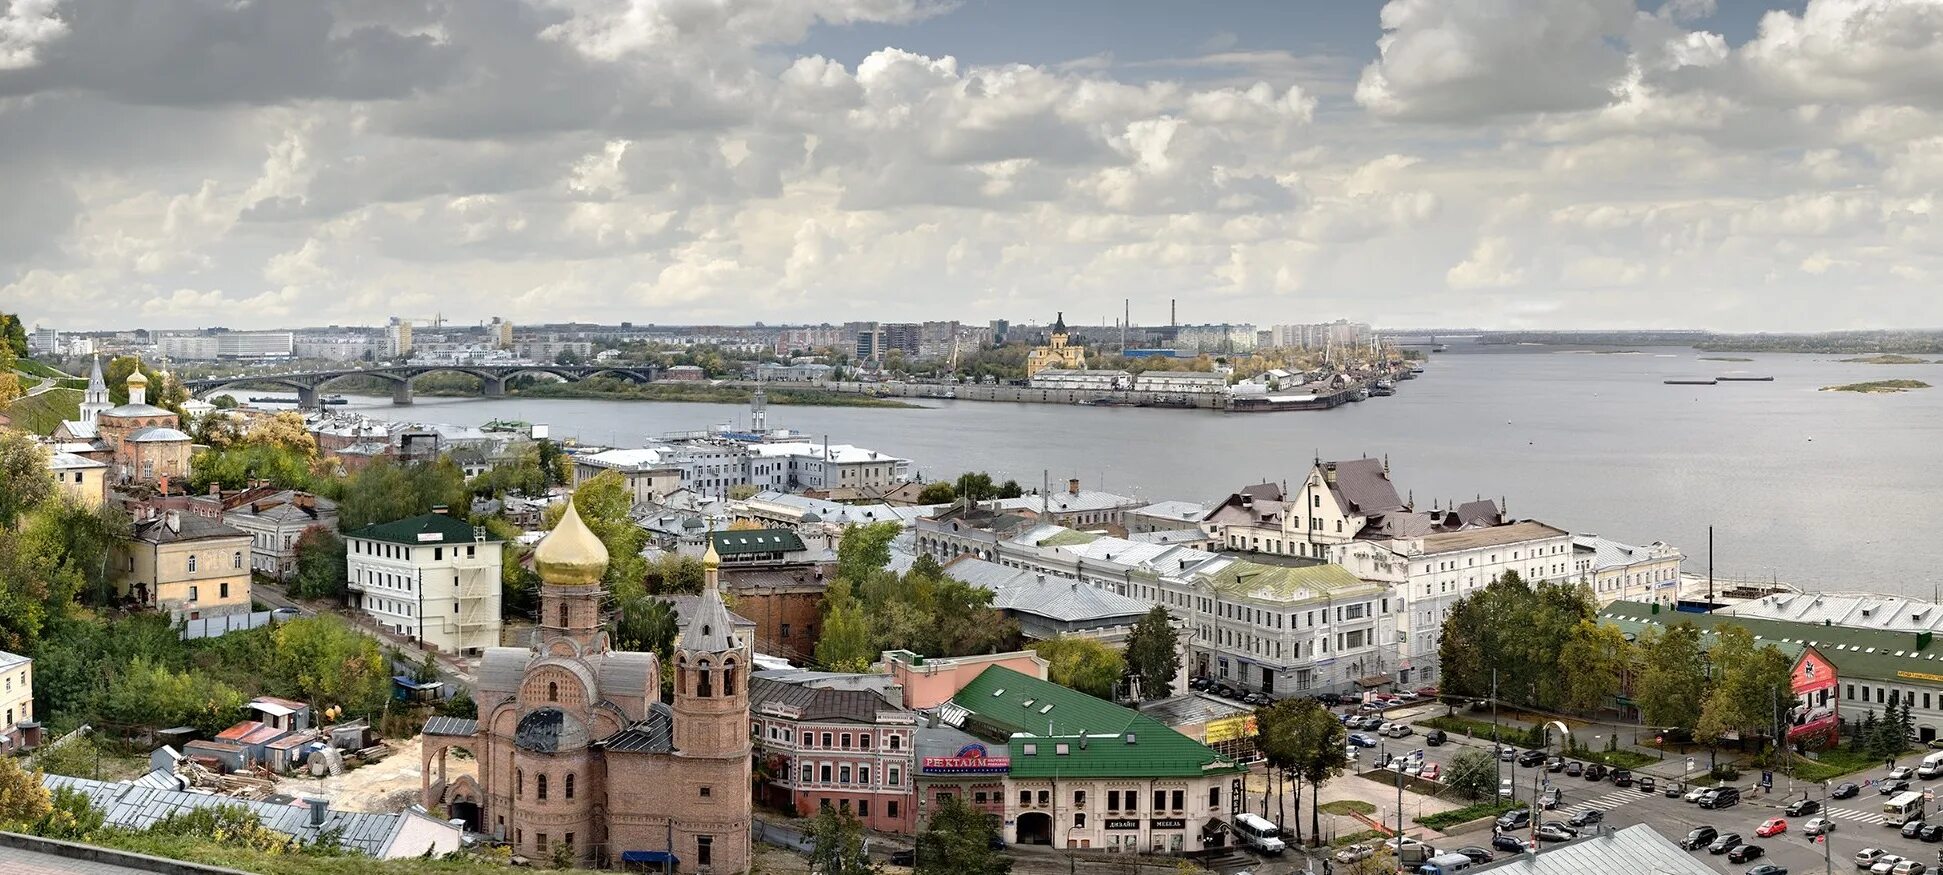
[[574, 747]]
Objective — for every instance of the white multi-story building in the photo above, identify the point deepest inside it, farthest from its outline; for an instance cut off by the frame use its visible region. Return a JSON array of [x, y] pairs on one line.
[[274, 524], [1082, 380], [1623, 572], [809, 465], [1224, 337], [431, 578], [1183, 382], [209, 346], [44, 340]]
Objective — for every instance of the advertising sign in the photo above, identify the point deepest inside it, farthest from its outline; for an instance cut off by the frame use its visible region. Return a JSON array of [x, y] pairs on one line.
[[1230, 728], [972, 759], [1123, 823], [1168, 823], [1813, 714]]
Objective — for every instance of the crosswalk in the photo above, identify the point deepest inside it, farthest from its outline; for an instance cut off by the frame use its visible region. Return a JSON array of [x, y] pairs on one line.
[[1850, 814], [1606, 802]]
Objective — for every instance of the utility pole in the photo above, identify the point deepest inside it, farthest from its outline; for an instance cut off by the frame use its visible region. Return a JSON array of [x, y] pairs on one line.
[[1497, 757], [1710, 568]]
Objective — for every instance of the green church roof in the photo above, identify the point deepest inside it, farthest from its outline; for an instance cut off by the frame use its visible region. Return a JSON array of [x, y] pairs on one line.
[[1101, 739]]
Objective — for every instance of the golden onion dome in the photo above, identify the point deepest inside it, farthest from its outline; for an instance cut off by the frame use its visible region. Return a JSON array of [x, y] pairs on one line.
[[571, 554], [711, 559]]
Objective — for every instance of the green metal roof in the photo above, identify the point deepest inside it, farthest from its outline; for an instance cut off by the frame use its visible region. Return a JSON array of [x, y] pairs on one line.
[[424, 529], [1044, 715], [1285, 582], [1863, 654], [731, 543], [1069, 538]]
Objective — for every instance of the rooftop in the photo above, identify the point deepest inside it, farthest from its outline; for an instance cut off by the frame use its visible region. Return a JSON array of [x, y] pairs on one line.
[[1859, 610], [1865, 654], [1060, 599], [72, 462], [1635, 850], [1290, 583], [1608, 553], [803, 701], [175, 527], [1181, 511], [746, 541], [1098, 738], [1492, 536], [428, 528]]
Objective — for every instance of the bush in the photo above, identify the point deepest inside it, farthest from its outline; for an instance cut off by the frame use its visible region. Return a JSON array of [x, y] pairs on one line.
[[1725, 773], [1468, 813]]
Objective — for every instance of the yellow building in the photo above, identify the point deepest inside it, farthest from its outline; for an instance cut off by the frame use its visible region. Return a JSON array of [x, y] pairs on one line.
[[1056, 354], [190, 566], [81, 478], [17, 702]]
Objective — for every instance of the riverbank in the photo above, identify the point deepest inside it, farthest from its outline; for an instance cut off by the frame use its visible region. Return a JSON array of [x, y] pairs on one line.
[[1887, 359], [1879, 387], [705, 393]]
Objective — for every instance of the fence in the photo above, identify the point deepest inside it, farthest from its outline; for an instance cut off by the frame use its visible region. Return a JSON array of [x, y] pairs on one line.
[[212, 627]]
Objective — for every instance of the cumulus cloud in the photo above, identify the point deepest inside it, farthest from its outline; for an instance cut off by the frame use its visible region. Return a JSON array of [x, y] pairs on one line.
[[26, 25]]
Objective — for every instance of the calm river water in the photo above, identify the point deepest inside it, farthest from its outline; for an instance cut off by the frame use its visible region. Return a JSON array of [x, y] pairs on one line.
[[1825, 490]]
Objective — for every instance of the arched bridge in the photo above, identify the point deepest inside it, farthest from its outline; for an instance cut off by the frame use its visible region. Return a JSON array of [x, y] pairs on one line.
[[308, 384]]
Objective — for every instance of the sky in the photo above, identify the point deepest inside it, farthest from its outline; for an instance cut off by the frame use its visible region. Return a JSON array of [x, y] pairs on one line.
[[1717, 164]]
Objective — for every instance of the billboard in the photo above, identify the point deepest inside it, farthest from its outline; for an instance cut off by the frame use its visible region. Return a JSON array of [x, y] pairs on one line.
[[972, 759], [1813, 714], [1230, 728]]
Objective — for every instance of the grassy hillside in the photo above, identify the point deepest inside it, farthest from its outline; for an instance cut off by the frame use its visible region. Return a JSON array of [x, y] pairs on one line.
[[39, 414], [29, 366]]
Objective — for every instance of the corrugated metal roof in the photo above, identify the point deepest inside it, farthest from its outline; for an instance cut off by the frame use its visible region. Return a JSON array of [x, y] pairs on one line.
[[1635, 850], [1029, 592], [656, 734], [1007, 702], [138, 806], [452, 726]]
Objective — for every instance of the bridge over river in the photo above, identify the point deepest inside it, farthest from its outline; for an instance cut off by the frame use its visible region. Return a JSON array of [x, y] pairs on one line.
[[309, 384]]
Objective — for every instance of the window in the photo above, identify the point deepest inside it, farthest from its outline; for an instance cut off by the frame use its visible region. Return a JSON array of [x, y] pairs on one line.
[[1113, 800], [552, 691], [702, 687], [1160, 800], [1079, 798], [438, 553], [1025, 797], [563, 617], [542, 843], [192, 593], [1214, 797], [863, 741], [519, 783], [894, 776], [863, 775], [843, 774], [569, 788], [863, 808], [785, 630], [890, 808], [806, 774], [705, 850], [705, 792], [825, 772], [1133, 802], [1180, 800], [236, 560], [895, 741], [222, 590], [846, 741], [1045, 798], [192, 563], [728, 678], [539, 787], [568, 841], [826, 739]]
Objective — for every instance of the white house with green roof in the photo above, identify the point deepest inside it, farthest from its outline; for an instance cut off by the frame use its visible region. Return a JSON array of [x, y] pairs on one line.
[[432, 578], [1066, 769]]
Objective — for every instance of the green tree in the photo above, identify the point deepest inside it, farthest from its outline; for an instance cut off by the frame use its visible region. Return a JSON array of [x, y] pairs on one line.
[[1083, 664], [1749, 680], [13, 335], [23, 801], [846, 642], [1515, 631], [1593, 662], [1321, 753], [557, 465], [1472, 774], [956, 842], [242, 463], [1010, 489], [71, 816], [975, 486], [1153, 655], [321, 565], [324, 661], [460, 704], [937, 493], [145, 693], [1279, 737], [387, 490], [646, 624], [864, 549], [837, 844], [1672, 679], [224, 402], [673, 573], [25, 479], [605, 503]]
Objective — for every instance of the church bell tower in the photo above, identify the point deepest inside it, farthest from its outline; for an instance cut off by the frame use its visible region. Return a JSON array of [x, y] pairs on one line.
[[711, 675]]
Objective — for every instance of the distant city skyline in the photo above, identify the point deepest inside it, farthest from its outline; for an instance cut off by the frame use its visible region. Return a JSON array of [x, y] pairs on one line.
[[1728, 165]]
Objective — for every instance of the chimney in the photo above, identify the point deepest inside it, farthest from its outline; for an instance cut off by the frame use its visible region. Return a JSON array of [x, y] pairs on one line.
[[215, 490], [1329, 474], [1072, 486], [441, 510], [320, 809], [173, 519]]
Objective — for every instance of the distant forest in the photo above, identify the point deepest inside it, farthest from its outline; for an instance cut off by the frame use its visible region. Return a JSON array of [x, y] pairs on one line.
[[1820, 342]]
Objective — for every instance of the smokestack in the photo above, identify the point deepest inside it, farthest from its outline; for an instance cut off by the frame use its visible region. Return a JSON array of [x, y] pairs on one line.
[[1173, 312]]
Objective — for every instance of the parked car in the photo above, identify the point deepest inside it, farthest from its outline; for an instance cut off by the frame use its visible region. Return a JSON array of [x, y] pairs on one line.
[[1517, 818], [1622, 777], [1507, 753], [1912, 828], [1802, 808], [1773, 826], [1432, 772], [1818, 826], [1908, 867], [1724, 843], [1550, 798], [1744, 853], [1844, 790], [1413, 766], [1477, 854], [1595, 772], [1884, 863], [1645, 784], [1397, 730], [1575, 768], [1509, 842], [1555, 764], [1585, 817], [1699, 837], [1355, 853], [1531, 758], [904, 858], [1434, 737], [1361, 740], [1694, 794], [1673, 789], [1556, 832], [1868, 856], [1720, 797], [1199, 684], [1768, 869], [1931, 833], [1505, 790]]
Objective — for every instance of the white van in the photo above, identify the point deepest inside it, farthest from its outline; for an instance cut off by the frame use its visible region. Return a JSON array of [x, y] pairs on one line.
[[1259, 833], [1932, 766], [1445, 864]]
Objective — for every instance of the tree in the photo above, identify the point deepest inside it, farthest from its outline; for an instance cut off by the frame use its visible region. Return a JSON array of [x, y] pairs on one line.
[[1513, 631], [25, 479], [558, 466], [937, 493], [23, 800], [286, 431], [1749, 681], [975, 486], [837, 844], [1673, 676], [605, 505], [1279, 738], [846, 641], [1153, 655], [958, 842], [321, 565], [387, 490], [324, 661], [1320, 748], [166, 394], [1593, 662], [1083, 664], [1472, 774], [673, 573], [10, 390], [13, 335], [71, 816], [1011, 489], [70, 543], [247, 461], [224, 402], [646, 625], [864, 549]]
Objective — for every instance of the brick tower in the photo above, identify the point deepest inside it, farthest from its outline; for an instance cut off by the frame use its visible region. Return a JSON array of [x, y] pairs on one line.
[[711, 731]]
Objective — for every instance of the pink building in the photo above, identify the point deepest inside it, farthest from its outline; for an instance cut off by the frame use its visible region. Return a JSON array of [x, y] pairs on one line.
[[834, 740], [927, 682]]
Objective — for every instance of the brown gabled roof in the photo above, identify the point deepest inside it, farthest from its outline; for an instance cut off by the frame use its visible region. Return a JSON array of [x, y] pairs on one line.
[[1364, 487], [819, 704]]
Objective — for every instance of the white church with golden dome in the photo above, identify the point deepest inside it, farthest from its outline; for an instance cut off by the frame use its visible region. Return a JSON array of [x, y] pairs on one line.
[[577, 756]]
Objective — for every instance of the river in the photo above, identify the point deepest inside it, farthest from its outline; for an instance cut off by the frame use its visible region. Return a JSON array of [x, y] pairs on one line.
[[1824, 490]]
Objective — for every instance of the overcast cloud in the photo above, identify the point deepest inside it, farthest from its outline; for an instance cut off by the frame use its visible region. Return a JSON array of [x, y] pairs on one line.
[[1556, 163]]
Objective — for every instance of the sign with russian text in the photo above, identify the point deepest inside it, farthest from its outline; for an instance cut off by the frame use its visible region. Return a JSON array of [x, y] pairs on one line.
[[1123, 823], [972, 759], [1168, 823]]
